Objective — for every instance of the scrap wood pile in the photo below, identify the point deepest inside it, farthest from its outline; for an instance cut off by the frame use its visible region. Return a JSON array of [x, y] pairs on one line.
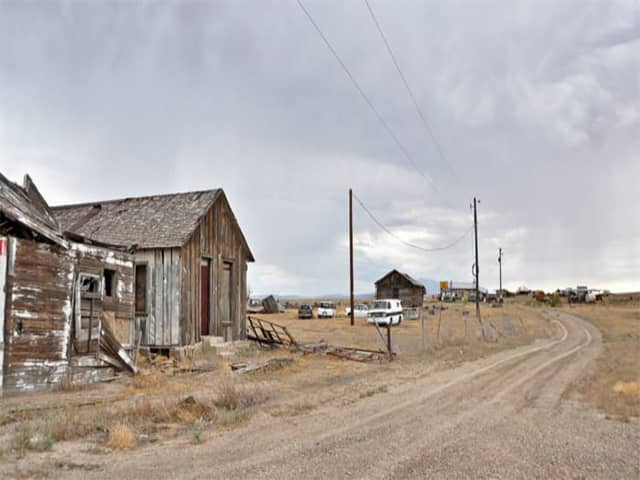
[[270, 334], [349, 353]]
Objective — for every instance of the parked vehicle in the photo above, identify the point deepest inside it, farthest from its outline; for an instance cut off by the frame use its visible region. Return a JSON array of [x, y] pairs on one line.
[[448, 296], [359, 311], [385, 312], [326, 310], [305, 311]]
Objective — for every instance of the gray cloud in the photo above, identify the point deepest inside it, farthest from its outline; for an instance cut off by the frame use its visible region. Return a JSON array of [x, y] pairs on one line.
[[536, 105]]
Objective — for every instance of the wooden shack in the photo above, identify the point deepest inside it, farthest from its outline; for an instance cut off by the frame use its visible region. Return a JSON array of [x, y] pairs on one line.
[[190, 261], [58, 297], [400, 285]]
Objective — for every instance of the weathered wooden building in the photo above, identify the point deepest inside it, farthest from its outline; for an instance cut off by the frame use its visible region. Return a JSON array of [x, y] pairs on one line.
[[191, 261], [58, 297], [399, 285]]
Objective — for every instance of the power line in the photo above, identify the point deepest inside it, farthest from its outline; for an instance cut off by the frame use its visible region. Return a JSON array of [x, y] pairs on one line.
[[408, 244], [364, 96], [408, 88]]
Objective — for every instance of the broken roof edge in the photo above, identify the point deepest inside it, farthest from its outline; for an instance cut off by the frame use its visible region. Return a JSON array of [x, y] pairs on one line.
[[19, 212], [124, 199], [77, 238]]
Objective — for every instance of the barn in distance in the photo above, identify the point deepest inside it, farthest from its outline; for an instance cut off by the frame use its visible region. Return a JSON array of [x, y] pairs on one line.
[[190, 262], [402, 286]]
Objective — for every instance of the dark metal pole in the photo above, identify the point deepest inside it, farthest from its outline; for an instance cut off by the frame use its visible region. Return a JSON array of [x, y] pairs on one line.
[[351, 253]]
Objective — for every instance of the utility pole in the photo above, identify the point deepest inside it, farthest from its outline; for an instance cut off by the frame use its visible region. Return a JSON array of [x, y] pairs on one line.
[[352, 313], [476, 267], [500, 267]]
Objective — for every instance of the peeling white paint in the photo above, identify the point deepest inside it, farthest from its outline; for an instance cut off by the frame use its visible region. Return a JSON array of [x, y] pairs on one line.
[[107, 256]]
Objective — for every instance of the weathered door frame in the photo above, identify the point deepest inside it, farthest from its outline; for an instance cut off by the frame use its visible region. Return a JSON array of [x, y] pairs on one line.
[[77, 317], [209, 264], [141, 320], [231, 294]]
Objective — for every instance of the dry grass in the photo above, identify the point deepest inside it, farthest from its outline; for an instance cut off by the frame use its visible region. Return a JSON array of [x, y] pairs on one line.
[[231, 418], [293, 409], [448, 332], [613, 384], [373, 391], [122, 437], [233, 395]]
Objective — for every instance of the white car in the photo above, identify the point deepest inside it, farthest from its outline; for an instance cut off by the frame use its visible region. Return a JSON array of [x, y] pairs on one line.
[[385, 312], [359, 311], [326, 310]]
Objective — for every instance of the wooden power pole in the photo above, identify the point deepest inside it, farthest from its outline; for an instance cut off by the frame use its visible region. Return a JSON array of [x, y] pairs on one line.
[[476, 267], [500, 268], [352, 313]]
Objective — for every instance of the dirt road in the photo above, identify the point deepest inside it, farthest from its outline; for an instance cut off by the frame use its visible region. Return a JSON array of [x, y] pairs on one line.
[[500, 417]]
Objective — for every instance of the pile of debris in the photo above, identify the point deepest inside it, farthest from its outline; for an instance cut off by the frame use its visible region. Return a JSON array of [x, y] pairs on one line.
[[270, 335]]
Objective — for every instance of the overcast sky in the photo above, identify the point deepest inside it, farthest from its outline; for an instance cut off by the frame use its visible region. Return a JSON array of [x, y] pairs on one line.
[[536, 105]]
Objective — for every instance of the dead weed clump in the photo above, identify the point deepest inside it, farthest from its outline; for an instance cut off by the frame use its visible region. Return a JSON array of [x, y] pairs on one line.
[[184, 411], [231, 396], [122, 437], [631, 389]]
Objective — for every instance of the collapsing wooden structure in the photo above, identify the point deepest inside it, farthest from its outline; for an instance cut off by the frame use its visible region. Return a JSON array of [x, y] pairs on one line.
[[190, 262], [402, 286], [58, 297]]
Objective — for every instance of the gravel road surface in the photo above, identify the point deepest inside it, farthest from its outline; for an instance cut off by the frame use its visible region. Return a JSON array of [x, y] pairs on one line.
[[500, 417]]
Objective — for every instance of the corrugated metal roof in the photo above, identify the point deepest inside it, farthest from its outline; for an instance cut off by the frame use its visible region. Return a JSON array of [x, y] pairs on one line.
[[157, 221]]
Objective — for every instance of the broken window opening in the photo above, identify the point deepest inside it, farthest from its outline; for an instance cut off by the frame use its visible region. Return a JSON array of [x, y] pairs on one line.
[[89, 285], [109, 282], [141, 289]]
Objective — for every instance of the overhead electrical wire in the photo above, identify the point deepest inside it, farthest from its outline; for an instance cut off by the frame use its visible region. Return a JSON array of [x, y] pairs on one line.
[[367, 100], [409, 90], [409, 244]]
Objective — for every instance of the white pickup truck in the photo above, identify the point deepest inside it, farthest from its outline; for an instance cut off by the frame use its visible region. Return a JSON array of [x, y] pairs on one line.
[[360, 310], [385, 312], [326, 310]]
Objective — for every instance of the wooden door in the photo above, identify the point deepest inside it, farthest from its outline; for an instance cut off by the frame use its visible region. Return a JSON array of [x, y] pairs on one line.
[[226, 310], [205, 297]]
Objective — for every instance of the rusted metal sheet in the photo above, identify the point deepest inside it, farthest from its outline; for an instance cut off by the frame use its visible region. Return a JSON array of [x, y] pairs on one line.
[[270, 304]]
